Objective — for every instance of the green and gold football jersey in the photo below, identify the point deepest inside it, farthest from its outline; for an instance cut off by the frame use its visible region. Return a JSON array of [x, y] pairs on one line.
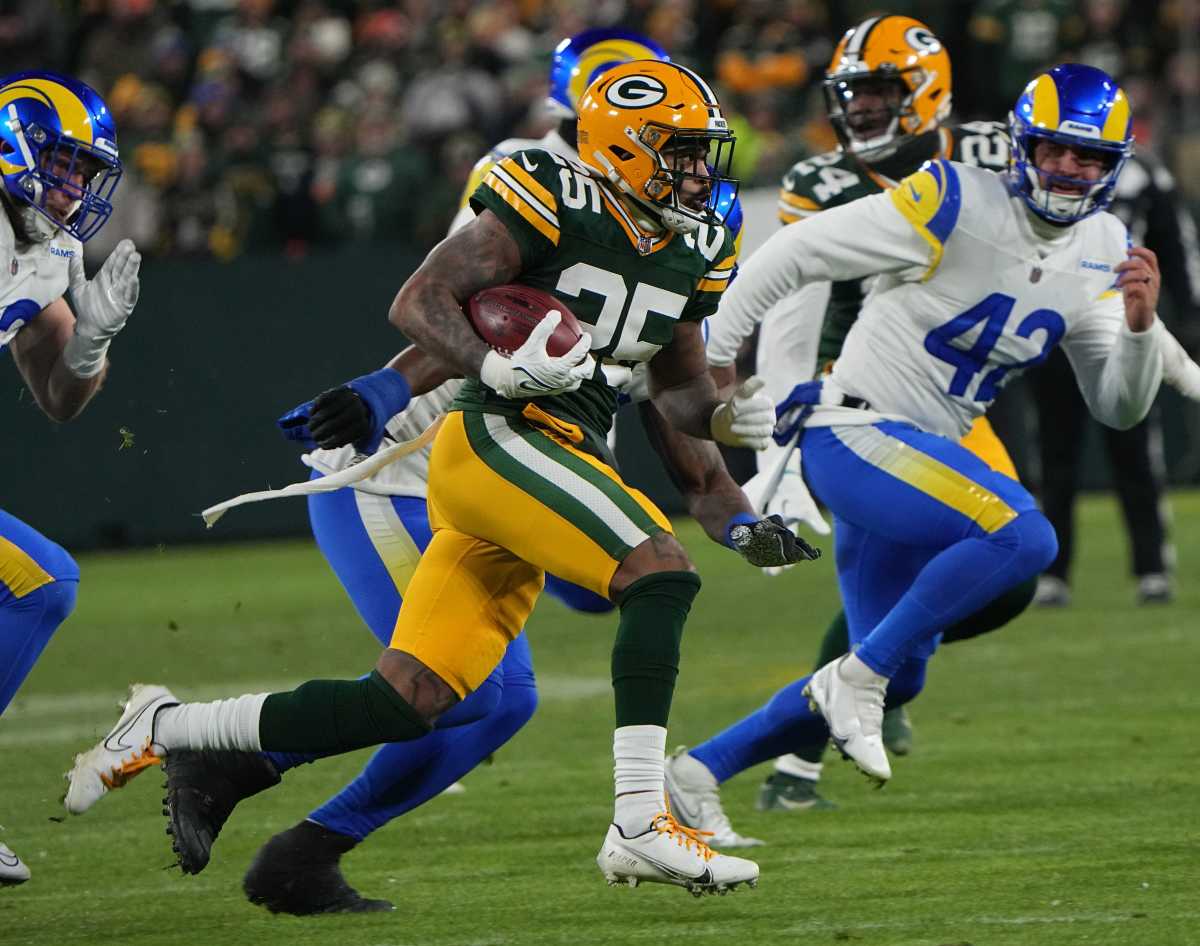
[[627, 288], [837, 177]]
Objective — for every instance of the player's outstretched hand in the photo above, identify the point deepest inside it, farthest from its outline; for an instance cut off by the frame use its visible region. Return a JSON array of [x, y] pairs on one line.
[[747, 419], [353, 413], [532, 371], [102, 305], [791, 502], [769, 543], [1139, 281]]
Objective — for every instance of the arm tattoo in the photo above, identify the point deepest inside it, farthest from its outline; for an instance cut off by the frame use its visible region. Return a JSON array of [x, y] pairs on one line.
[[428, 308]]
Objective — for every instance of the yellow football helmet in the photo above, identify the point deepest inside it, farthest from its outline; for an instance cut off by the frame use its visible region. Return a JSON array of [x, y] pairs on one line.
[[656, 131], [889, 79]]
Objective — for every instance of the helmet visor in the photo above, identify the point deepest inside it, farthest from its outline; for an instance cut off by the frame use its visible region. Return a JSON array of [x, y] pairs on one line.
[[72, 183], [694, 173]]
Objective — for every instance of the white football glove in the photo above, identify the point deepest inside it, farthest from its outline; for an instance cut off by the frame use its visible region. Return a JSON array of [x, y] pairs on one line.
[[747, 419], [792, 502], [532, 371], [102, 306]]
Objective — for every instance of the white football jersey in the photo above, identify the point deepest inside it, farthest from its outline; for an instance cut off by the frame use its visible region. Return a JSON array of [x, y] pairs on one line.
[[971, 292], [32, 276]]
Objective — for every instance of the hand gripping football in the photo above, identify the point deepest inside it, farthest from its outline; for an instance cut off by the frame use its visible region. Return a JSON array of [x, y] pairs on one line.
[[503, 316]]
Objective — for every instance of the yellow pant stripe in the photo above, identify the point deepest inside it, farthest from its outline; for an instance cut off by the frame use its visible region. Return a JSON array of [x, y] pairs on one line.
[[18, 571], [927, 474], [394, 546]]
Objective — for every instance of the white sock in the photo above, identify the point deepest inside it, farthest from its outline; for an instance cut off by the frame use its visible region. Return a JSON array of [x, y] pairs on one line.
[[639, 753], [799, 768], [224, 724], [853, 670]]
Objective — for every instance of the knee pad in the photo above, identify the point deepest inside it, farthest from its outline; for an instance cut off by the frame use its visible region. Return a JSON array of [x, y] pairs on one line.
[[1033, 539], [65, 593], [908, 681], [519, 702]]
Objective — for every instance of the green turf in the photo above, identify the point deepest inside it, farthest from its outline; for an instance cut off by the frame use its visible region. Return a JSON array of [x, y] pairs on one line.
[[1051, 799]]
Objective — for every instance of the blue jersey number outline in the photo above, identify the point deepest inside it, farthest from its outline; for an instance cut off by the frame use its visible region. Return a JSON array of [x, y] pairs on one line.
[[994, 311]]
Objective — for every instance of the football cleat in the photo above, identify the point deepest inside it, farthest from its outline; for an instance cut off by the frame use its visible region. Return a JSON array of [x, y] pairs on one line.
[[897, 731], [695, 800], [203, 788], [127, 750], [12, 869], [668, 853], [783, 792], [1051, 593], [1155, 588], [853, 708], [297, 872]]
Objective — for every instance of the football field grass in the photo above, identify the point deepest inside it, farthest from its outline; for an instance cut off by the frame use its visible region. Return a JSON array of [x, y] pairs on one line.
[[1053, 796]]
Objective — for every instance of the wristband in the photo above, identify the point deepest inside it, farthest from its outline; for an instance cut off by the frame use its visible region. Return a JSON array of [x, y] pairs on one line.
[[386, 393], [741, 519]]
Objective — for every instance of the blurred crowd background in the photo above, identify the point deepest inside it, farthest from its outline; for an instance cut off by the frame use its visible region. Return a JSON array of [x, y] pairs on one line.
[[252, 126]]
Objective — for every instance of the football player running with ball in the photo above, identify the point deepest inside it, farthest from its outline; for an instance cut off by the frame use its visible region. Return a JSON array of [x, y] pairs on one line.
[[59, 161], [518, 483], [979, 276]]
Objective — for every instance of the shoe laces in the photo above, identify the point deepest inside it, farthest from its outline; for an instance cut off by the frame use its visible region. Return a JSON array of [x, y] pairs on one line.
[[665, 823], [118, 775]]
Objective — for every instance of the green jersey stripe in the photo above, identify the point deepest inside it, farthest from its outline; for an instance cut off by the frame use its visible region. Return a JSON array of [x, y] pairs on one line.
[[554, 497]]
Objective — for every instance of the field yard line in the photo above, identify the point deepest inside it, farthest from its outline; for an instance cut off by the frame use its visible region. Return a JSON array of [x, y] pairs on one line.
[[61, 718]]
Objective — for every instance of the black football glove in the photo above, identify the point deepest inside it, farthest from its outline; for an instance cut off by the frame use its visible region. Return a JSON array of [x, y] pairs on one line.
[[769, 543], [338, 417]]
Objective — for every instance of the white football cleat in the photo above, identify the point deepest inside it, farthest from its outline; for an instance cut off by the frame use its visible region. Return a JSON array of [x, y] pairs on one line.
[[123, 753], [695, 799], [849, 694], [668, 853], [12, 869]]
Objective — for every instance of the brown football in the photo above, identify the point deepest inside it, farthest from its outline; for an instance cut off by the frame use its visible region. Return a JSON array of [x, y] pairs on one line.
[[503, 316]]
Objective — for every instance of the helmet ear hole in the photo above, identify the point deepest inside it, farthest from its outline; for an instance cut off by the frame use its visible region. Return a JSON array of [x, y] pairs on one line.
[[621, 153]]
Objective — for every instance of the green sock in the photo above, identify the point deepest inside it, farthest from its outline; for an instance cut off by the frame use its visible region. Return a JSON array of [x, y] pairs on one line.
[[835, 643], [645, 657], [333, 716], [993, 615]]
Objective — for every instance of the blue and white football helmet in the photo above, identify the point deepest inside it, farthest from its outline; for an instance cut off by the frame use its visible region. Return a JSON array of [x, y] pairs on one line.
[[1074, 105], [56, 133], [579, 59]]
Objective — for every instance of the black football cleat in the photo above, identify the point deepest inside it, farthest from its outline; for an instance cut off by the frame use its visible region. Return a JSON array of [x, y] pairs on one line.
[[203, 788], [297, 872]]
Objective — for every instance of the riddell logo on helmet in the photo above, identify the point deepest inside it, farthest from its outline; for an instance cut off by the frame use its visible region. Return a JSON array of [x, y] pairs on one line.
[[1080, 128], [636, 92]]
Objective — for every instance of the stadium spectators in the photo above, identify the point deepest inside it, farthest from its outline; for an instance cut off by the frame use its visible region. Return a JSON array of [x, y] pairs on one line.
[[279, 125]]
